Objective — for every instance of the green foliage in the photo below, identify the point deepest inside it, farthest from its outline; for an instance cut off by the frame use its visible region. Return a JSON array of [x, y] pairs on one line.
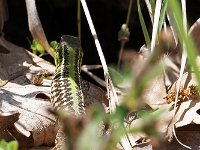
[[37, 48], [153, 3], [134, 87], [53, 45], [12, 145]]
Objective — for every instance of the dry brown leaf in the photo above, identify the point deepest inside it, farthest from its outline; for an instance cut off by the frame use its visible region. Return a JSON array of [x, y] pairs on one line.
[[36, 125], [188, 113], [95, 95], [184, 82], [194, 32], [171, 72], [7, 121], [155, 93], [35, 121]]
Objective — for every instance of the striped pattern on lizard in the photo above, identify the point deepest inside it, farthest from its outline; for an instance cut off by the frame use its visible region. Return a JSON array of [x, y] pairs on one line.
[[66, 87], [66, 90]]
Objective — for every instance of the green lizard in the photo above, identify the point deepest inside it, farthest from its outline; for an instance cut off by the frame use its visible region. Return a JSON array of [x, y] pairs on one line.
[[66, 87], [66, 90]]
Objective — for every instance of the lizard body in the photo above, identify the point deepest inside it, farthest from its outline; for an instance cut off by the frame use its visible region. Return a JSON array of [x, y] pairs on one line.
[[66, 90], [66, 87]]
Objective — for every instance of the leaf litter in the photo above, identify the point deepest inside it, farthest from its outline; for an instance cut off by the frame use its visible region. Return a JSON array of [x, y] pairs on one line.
[[24, 107]]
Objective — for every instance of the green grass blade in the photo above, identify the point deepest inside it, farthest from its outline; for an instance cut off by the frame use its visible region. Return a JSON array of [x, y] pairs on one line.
[[162, 14], [153, 3], [144, 28]]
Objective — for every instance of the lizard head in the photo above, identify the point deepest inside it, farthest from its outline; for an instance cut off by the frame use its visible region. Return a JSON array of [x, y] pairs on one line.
[[69, 52]]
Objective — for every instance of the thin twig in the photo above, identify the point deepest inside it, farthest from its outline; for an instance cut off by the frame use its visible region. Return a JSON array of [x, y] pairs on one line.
[[129, 12], [172, 28], [123, 42], [120, 53], [79, 18], [96, 78], [91, 67]]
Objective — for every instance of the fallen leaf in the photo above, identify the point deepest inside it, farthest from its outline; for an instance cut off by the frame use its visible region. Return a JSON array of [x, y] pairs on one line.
[[155, 93], [187, 113], [35, 121], [7, 120], [194, 32]]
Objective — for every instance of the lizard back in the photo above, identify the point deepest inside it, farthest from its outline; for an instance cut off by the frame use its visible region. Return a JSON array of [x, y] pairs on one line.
[[66, 90]]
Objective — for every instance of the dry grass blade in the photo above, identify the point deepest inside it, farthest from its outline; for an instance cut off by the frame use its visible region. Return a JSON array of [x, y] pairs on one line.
[[183, 64], [109, 84], [155, 24], [149, 10], [172, 28]]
